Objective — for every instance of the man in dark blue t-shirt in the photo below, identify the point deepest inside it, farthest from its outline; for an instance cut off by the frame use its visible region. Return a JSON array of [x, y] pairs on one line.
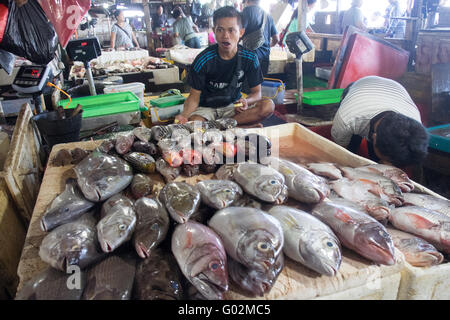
[[252, 20], [217, 74]]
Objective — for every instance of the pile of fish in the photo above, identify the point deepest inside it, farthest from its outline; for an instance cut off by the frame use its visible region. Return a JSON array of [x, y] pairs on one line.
[[235, 229]]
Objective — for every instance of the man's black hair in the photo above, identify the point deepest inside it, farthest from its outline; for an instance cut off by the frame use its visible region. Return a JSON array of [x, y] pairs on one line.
[[176, 13], [401, 139], [116, 13], [227, 12]]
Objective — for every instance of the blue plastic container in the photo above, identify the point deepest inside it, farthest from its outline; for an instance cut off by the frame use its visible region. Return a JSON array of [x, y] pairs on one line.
[[440, 138], [273, 90]]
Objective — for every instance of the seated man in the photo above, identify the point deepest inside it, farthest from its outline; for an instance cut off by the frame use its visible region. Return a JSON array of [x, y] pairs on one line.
[[381, 111], [217, 75]]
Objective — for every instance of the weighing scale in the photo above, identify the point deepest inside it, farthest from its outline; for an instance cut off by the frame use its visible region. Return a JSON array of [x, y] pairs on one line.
[[32, 80], [85, 50]]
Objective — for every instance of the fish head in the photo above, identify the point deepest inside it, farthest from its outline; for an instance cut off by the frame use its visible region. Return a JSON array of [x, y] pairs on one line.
[[311, 188], [253, 281], [269, 187], [418, 252], [258, 249], [208, 272], [323, 252], [376, 243], [181, 200], [147, 239], [115, 229], [223, 194]]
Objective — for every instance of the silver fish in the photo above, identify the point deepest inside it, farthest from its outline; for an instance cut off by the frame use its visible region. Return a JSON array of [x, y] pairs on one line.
[[111, 279], [386, 186], [202, 259], [254, 282], [51, 284], [219, 194], [142, 133], [66, 207], [169, 173], [100, 176], [308, 240], [117, 224], [226, 123], [303, 185], [250, 236], [357, 231], [124, 142], [417, 252], [151, 227], [365, 194], [181, 200], [73, 243], [428, 201], [161, 132], [427, 224], [263, 182], [327, 170], [395, 174]]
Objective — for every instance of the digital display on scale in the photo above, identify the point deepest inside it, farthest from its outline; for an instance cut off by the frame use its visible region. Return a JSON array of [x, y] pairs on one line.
[[33, 73]]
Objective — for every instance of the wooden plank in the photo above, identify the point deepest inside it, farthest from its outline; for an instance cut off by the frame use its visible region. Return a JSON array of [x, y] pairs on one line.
[[12, 238], [23, 165]]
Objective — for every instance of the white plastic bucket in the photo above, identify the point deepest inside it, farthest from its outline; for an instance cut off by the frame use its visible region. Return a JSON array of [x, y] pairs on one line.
[[135, 87]]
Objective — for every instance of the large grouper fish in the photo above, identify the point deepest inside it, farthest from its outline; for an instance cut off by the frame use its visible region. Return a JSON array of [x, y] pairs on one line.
[[202, 258], [250, 236], [100, 176]]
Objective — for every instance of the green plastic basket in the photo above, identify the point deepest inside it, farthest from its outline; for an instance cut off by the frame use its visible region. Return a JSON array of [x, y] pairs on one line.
[[438, 140], [168, 101], [322, 97], [105, 104]]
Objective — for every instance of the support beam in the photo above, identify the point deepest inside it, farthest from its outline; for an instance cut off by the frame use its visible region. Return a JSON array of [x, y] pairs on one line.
[[302, 11], [148, 26]]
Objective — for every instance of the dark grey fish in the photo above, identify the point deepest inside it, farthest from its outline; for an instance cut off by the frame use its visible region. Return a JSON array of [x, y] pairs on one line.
[[66, 207], [151, 226], [169, 173], [190, 170], [180, 199], [142, 133], [124, 142], [146, 147], [62, 158], [74, 243], [226, 172], [254, 282], [117, 224], [52, 284], [226, 123], [78, 155], [158, 278], [111, 279], [107, 145], [141, 186], [208, 168], [141, 161], [101, 176]]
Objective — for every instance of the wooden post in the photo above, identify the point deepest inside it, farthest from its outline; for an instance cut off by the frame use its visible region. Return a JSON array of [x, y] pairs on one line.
[[148, 26], [302, 4], [416, 26]]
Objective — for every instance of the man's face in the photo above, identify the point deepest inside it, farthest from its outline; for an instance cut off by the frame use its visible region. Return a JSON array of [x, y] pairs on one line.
[[228, 32], [160, 11]]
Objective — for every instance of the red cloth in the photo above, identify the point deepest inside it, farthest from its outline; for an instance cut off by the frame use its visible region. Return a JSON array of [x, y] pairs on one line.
[[3, 19]]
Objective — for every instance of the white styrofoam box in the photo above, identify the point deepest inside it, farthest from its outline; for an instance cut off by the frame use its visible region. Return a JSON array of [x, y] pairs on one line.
[[109, 56], [135, 87], [431, 283], [273, 90], [183, 55], [165, 113], [165, 76]]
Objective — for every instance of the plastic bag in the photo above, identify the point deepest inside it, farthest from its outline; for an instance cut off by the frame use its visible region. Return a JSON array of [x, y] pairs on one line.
[[65, 16], [28, 33], [7, 61]]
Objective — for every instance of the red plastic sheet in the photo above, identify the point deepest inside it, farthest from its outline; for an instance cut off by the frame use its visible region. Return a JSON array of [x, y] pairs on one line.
[[3, 19], [65, 15]]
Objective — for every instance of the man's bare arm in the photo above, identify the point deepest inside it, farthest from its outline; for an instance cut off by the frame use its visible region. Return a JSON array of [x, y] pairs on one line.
[[190, 105]]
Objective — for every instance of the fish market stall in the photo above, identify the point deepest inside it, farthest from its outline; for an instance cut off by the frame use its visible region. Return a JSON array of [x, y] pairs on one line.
[[357, 277]]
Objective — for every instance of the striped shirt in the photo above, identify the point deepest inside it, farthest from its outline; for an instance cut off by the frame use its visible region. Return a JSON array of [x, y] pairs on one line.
[[367, 98]]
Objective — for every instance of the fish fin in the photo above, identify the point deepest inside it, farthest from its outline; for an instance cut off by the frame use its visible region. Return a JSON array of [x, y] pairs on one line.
[[420, 222], [289, 220], [344, 217]]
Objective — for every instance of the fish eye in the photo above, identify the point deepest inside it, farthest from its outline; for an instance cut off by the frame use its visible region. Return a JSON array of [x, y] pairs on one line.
[[213, 266], [227, 190], [263, 246], [330, 244], [122, 227], [273, 182]]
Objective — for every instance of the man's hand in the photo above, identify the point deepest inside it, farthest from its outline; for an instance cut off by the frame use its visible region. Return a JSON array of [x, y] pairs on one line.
[[242, 105], [181, 119]]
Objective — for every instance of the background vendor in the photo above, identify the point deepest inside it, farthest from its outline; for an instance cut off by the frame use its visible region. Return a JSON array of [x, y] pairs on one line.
[[217, 75], [122, 35], [185, 29], [381, 111]]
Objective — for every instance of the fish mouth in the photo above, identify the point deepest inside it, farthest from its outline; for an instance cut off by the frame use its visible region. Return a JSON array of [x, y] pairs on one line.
[[142, 251], [384, 256], [406, 186], [215, 290], [106, 247], [43, 225], [380, 213], [397, 200], [329, 270], [426, 259]]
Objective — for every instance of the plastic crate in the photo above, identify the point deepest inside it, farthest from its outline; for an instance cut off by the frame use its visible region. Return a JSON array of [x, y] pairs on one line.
[[273, 89], [105, 104], [322, 97], [440, 138], [168, 101], [135, 87]]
